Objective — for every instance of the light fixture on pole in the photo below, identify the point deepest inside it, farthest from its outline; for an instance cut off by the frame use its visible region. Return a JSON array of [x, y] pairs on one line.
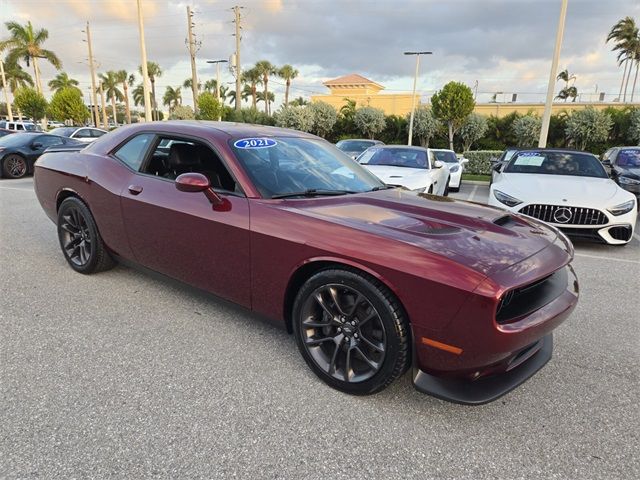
[[413, 97], [218, 62]]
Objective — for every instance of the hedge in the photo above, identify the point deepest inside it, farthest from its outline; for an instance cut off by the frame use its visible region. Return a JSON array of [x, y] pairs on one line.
[[480, 161]]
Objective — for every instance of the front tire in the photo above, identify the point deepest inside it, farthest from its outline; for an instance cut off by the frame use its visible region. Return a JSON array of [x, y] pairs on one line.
[[351, 331], [14, 166], [80, 241]]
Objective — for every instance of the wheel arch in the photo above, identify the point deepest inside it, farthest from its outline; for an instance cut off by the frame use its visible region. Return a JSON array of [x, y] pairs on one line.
[[305, 270], [65, 193]]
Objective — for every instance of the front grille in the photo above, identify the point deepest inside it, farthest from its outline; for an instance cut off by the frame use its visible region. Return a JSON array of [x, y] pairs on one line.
[[561, 215]]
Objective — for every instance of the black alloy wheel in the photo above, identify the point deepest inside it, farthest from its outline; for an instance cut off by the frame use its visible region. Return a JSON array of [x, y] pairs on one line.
[[14, 166], [81, 244], [351, 331]]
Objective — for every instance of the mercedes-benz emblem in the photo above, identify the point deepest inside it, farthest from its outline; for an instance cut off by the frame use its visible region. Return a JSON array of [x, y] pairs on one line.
[[562, 215]]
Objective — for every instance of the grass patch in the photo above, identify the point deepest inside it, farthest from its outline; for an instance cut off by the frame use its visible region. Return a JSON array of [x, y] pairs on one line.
[[480, 178]]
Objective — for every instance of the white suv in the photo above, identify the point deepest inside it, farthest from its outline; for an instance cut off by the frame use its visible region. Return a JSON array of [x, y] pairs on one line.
[[20, 126]]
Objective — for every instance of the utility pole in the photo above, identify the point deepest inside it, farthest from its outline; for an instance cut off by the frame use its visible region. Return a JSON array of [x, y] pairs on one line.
[[145, 73], [218, 62], [94, 99], [546, 117], [6, 91], [413, 97], [105, 121], [236, 11], [192, 54]]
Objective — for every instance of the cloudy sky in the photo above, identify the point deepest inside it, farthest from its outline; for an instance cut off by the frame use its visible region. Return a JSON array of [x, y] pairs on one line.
[[503, 45]]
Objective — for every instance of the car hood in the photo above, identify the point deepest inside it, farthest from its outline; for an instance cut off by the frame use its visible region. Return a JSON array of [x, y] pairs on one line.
[[558, 189], [633, 172], [409, 177], [484, 238]]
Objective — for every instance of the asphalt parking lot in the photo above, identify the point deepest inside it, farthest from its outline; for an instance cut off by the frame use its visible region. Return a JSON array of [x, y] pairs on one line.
[[124, 375]]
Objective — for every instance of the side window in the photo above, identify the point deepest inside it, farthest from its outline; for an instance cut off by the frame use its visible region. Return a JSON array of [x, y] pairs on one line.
[[174, 156], [132, 152], [83, 133], [19, 126], [48, 140], [96, 133]]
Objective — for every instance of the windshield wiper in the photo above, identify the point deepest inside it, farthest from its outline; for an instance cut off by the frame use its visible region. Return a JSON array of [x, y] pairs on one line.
[[313, 192]]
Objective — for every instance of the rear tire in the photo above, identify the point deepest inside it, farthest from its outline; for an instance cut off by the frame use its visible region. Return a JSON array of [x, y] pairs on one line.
[[80, 240], [351, 331], [14, 166], [446, 188]]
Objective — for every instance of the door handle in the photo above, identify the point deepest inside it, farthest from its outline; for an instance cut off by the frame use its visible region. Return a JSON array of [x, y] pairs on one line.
[[135, 189]]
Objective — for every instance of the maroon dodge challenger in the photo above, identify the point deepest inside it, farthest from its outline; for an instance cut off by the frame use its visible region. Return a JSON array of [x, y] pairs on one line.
[[370, 279]]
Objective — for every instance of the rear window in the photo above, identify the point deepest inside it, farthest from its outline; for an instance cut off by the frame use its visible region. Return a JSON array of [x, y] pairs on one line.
[[354, 145], [448, 157]]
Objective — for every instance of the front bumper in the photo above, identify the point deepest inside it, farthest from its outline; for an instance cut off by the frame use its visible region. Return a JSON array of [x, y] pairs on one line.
[[523, 365]]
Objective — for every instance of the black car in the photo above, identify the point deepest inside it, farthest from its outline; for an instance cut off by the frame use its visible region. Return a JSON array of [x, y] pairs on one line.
[[18, 152], [4, 132], [623, 166], [498, 164], [355, 146]]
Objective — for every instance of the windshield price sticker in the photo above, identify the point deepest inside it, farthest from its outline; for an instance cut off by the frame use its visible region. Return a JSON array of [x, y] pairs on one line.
[[246, 143], [529, 159]]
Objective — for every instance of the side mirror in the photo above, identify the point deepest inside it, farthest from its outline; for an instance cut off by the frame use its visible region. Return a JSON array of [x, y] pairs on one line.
[[464, 160], [497, 167], [192, 182], [606, 163], [438, 164], [36, 146]]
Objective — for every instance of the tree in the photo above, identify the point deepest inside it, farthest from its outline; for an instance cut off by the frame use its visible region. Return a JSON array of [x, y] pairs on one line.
[[270, 96], [16, 77], [634, 128], [253, 77], [287, 73], [298, 102], [299, 118], [25, 43], [110, 83], [588, 126], [138, 95], [182, 112], [452, 105], [567, 91], [126, 79], [473, 128], [527, 130], [209, 108], [189, 81], [369, 121], [62, 80], [425, 125], [265, 68], [30, 102], [67, 104], [172, 98], [154, 71], [626, 38], [324, 118]]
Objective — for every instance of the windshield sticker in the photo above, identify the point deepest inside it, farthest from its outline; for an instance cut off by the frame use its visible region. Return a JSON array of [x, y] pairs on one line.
[[255, 143], [529, 159]]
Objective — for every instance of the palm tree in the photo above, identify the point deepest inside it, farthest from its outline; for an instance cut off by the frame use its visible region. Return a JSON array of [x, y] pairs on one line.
[[154, 71], [265, 68], [16, 77], [253, 77], [172, 97], [25, 44], [126, 79], [287, 73], [244, 95], [110, 82], [626, 37], [211, 87], [567, 91], [138, 95], [270, 97], [189, 81], [62, 80], [299, 102]]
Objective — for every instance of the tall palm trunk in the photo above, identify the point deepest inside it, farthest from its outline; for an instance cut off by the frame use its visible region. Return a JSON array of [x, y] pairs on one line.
[[624, 74], [126, 101], [154, 106], [626, 83], [635, 79], [265, 79], [254, 95], [36, 71], [113, 110], [286, 92]]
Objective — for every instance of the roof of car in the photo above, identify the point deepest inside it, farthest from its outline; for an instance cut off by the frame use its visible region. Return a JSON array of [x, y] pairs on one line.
[[234, 129]]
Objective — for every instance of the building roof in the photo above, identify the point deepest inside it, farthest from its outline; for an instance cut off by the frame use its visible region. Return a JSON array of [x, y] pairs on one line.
[[351, 79]]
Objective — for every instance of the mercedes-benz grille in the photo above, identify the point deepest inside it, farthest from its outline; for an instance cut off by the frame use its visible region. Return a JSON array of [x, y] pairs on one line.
[[562, 215]]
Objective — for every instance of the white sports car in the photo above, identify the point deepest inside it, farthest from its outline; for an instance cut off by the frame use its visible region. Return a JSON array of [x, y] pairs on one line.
[[456, 166], [568, 189], [415, 168]]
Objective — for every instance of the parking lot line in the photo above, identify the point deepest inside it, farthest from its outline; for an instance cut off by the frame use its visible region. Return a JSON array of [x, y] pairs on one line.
[[473, 193], [637, 237], [611, 259], [14, 188]]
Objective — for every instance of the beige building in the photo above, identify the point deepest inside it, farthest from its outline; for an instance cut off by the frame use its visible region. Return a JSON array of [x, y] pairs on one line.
[[364, 92]]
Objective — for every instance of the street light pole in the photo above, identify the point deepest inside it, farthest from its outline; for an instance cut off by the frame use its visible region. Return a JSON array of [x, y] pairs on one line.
[[145, 72], [546, 117], [218, 62], [413, 97]]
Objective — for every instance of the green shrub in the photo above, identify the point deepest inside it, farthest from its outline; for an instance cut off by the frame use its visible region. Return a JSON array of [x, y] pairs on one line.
[[480, 161]]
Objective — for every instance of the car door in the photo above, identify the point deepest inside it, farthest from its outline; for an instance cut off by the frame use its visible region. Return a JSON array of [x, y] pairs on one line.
[[184, 236], [39, 144], [83, 135]]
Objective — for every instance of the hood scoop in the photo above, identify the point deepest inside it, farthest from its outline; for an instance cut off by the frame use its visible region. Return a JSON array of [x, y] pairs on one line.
[[421, 226], [504, 221]]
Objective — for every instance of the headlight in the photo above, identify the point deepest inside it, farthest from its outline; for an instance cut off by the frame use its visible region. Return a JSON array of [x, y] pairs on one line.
[[628, 181], [622, 208], [419, 190], [508, 200], [454, 169]]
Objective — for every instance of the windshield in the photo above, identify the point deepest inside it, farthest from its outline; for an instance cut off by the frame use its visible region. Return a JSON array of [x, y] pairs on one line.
[[556, 163], [16, 139], [445, 156], [282, 165], [629, 157], [357, 146], [63, 131], [395, 157]]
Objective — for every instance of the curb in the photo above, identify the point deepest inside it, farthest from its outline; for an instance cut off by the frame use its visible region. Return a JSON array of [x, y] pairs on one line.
[[476, 182]]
